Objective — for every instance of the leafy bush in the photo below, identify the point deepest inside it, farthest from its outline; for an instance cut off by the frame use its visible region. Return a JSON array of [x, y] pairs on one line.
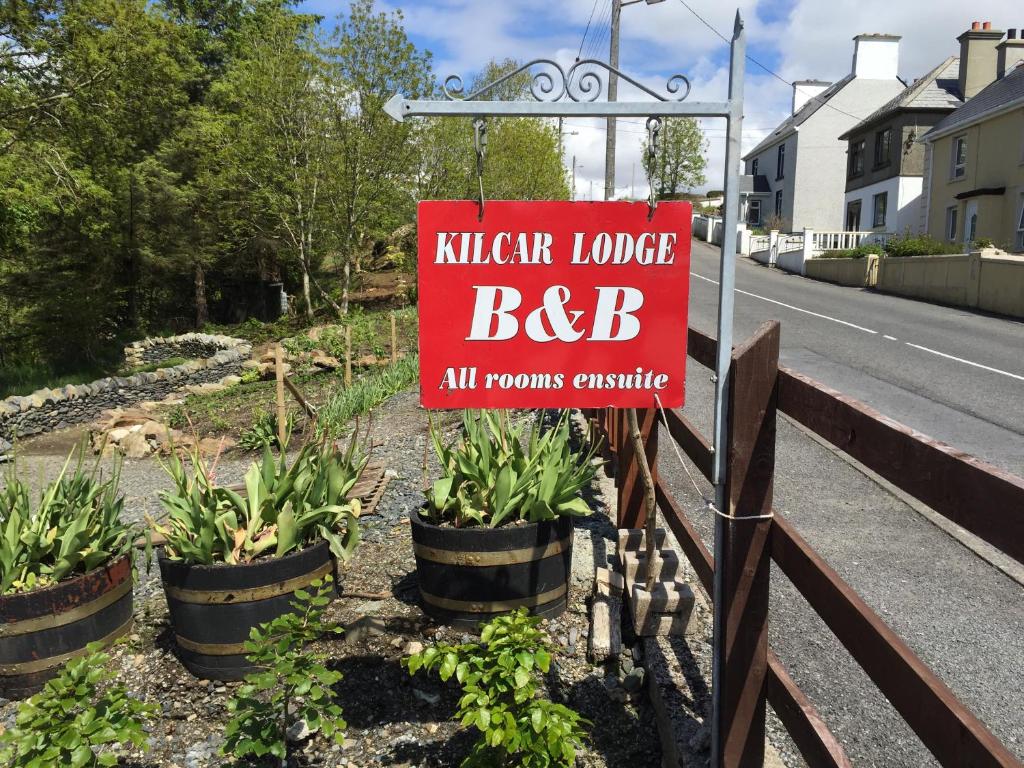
[[71, 722], [74, 528], [284, 508], [500, 678], [149, 367], [365, 394], [250, 376], [854, 253], [493, 476], [292, 686], [920, 245], [263, 432], [983, 242]]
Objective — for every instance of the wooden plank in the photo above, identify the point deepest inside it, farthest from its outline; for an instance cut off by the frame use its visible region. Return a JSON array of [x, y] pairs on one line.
[[701, 347], [803, 723], [952, 733], [282, 418], [631, 493], [687, 536], [689, 438], [306, 405], [746, 560], [982, 498]]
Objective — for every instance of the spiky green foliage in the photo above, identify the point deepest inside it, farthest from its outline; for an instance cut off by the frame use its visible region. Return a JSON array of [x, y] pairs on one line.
[[79, 720], [74, 527], [365, 394], [285, 507], [495, 474], [263, 432], [292, 685], [501, 678]]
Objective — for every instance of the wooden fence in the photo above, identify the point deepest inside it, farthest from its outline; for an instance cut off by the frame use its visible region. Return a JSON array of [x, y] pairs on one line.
[[981, 498]]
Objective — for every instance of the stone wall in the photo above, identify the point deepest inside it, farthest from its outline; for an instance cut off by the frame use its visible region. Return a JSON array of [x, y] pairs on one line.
[[48, 409]]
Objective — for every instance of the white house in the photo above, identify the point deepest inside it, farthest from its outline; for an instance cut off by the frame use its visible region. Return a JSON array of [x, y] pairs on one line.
[[799, 169]]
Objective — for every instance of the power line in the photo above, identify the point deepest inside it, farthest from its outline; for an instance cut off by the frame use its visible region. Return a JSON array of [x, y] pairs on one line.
[[771, 72], [587, 30]]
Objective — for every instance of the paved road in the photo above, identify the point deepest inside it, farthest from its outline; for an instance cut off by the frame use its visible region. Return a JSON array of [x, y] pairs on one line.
[[962, 616], [953, 374]]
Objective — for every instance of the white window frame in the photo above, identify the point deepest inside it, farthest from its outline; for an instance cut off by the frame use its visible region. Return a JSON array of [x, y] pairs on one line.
[[958, 168], [952, 225], [754, 205]]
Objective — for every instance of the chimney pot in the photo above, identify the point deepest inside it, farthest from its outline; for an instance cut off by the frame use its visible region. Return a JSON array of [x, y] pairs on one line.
[[975, 26], [987, 25]]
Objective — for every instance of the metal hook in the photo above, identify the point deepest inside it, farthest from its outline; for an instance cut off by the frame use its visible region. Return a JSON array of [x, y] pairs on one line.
[[653, 129], [480, 144]]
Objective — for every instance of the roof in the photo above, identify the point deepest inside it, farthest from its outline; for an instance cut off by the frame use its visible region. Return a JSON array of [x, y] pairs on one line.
[[1005, 93], [938, 90], [790, 124]]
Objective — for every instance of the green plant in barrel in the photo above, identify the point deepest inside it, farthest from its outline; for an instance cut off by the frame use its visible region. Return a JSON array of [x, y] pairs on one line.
[[73, 528], [79, 720], [497, 473], [285, 507], [501, 679], [292, 688]]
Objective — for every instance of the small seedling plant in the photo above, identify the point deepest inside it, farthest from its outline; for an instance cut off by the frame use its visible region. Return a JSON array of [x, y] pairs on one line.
[[501, 677], [292, 685], [77, 720]]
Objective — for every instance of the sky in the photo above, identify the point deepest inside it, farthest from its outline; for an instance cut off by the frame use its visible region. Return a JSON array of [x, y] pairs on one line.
[[795, 39]]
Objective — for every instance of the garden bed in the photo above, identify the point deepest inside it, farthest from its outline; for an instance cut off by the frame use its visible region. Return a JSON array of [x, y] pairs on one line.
[[393, 719]]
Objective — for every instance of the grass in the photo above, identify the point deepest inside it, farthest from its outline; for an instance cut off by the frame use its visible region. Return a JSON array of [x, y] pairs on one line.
[[150, 367], [365, 394], [26, 378]]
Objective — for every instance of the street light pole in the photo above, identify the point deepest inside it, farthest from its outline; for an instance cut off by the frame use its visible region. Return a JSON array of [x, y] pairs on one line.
[[613, 94]]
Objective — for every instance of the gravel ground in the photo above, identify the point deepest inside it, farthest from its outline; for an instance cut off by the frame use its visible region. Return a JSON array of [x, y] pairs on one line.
[[393, 719], [963, 617]]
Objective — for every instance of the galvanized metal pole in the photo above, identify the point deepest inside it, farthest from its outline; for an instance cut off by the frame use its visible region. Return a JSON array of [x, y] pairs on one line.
[[726, 295], [613, 95]]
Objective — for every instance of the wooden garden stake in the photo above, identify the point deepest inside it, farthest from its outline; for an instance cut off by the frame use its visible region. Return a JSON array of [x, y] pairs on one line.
[[348, 355], [279, 372], [650, 504], [394, 340]]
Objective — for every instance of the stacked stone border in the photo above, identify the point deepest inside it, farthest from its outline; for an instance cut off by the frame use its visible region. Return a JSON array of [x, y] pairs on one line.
[[47, 409]]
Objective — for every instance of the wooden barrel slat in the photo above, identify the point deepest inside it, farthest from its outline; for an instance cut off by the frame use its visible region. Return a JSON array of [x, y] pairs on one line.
[[213, 608], [467, 576], [42, 629]]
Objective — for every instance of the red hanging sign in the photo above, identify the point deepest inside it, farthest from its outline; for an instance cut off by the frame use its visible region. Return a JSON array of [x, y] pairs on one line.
[[553, 304]]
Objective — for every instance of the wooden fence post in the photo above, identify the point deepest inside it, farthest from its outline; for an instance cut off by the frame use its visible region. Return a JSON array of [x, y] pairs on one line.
[[348, 355], [282, 417], [394, 340], [631, 512], [746, 554]]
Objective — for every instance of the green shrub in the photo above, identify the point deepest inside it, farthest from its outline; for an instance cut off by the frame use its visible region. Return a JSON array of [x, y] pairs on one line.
[[284, 508], [74, 528], [495, 476], [150, 367], [920, 245], [263, 432], [500, 678], [71, 722], [292, 685], [854, 253], [365, 394], [983, 242]]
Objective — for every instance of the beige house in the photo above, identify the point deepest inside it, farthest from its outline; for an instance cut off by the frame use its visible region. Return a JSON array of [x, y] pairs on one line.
[[974, 175]]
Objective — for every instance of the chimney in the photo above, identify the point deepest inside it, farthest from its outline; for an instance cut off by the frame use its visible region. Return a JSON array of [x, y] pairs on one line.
[[978, 57], [1009, 53], [805, 90], [876, 57]]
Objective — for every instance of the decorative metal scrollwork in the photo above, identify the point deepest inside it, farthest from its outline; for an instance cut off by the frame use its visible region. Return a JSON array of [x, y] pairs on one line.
[[584, 81]]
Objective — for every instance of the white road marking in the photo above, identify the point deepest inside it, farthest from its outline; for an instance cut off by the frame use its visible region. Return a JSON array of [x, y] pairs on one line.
[[966, 362], [790, 306], [887, 336]]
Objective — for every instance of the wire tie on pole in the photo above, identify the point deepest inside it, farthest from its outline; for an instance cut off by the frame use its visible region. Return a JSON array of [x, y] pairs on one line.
[[480, 145], [707, 502], [653, 129]]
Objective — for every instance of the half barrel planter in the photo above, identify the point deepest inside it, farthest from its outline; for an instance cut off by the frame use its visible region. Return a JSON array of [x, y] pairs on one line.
[[42, 629], [214, 607], [469, 575]]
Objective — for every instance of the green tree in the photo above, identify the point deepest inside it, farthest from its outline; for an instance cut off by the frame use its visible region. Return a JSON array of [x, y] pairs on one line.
[[679, 161]]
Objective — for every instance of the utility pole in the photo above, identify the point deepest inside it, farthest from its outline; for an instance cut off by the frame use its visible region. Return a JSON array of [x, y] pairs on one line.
[[574, 177], [613, 93]]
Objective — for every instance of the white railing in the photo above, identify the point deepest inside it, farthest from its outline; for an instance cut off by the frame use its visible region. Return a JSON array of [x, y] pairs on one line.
[[789, 243], [759, 243], [844, 241]]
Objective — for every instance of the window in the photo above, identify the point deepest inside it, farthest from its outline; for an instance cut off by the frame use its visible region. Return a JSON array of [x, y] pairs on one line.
[[778, 202], [879, 202], [780, 163], [753, 167], [856, 158], [951, 214], [883, 147], [959, 159], [1020, 226], [853, 216], [754, 213]]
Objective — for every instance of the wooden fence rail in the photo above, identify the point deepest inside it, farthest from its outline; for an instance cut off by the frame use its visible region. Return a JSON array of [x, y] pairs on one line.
[[981, 498]]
